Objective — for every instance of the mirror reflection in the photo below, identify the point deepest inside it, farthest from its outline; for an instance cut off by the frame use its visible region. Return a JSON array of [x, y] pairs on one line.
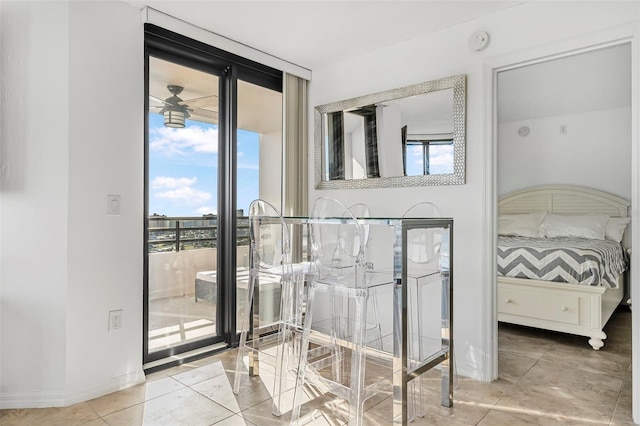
[[408, 136]]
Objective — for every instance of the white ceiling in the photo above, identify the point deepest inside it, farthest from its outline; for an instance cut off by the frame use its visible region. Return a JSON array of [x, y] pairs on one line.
[[314, 34]]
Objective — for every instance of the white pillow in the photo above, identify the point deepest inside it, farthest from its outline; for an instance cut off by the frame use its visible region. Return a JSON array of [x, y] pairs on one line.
[[520, 225], [574, 225], [614, 230]]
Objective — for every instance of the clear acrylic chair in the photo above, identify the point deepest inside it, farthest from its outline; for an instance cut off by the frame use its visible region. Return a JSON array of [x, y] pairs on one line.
[[270, 263], [362, 210], [338, 258], [425, 262]]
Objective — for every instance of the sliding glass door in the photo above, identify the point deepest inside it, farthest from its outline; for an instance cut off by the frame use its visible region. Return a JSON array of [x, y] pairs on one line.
[[213, 144], [182, 204]]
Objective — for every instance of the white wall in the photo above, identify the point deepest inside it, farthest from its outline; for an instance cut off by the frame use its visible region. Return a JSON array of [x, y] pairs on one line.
[[442, 54], [33, 219], [595, 152], [73, 75]]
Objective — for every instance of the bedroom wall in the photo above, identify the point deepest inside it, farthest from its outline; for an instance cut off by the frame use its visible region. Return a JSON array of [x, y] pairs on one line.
[[442, 54], [595, 152]]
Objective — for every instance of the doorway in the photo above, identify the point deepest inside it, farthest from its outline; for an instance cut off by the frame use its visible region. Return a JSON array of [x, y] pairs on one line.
[[213, 144], [565, 119]]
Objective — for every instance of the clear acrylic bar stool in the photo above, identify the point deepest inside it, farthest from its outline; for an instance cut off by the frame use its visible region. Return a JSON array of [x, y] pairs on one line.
[[338, 254], [270, 262]]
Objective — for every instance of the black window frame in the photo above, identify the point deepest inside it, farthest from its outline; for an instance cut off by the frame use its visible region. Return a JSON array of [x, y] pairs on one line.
[[230, 68]]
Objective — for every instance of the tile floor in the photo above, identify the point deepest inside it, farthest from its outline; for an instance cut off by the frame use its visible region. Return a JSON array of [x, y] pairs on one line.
[[546, 378]]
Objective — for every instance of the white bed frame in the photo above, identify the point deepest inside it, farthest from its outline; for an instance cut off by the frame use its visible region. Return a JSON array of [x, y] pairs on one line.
[[570, 308]]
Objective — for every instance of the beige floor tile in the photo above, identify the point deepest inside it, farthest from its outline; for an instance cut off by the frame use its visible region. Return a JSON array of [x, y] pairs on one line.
[[72, 415], [200, 374], [228, 359], [586, 387], [96, 422], [622, 413], [531, 342], [184, 407], [546, 378], [132, 416], [487, 393], [524, 418], [605, 361], [512, 365], [253, 390], [322, 410], [236, 420], [547, 399], [463, 412], [129, 397], [220, 390]]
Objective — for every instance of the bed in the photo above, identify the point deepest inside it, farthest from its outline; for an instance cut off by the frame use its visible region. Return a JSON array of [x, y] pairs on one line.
[[532, 287]]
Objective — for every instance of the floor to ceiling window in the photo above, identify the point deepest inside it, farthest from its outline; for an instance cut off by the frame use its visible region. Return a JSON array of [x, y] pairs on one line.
[[213, 144]]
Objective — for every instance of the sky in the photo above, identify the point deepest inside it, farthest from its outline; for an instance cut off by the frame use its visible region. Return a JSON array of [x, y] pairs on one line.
[[440, 160], [183, 168]]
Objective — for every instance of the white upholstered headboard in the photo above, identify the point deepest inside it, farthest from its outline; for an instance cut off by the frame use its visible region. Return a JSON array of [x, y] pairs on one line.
[[565, 199]]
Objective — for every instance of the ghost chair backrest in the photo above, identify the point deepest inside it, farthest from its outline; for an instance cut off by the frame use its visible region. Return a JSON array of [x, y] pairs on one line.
[[336, 239], [423, 245], [269, 236]]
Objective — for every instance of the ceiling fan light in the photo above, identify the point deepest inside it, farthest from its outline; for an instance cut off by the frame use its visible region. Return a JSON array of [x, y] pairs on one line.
[[173, 118]]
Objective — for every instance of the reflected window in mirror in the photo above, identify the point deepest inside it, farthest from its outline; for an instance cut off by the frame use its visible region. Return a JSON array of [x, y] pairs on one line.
[[409, 136], [428, 156]]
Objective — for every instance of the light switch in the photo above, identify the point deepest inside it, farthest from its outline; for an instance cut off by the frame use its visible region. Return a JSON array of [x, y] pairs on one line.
[[113, 205]]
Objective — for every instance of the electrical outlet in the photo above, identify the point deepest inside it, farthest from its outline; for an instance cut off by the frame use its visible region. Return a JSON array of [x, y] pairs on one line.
[[563, 129], [115, 319]]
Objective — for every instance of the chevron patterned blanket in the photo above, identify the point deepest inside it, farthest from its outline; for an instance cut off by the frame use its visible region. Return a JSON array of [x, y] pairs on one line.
[[572, 260]]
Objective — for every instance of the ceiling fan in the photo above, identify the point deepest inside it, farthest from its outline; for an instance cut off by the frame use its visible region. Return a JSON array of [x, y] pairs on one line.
[[176, 110]]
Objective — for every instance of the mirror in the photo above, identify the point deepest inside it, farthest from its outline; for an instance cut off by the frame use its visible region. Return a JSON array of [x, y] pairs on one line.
[[410, 136]]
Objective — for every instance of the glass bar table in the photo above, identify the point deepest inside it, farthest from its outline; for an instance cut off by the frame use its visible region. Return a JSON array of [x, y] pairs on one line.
[[398, 234]]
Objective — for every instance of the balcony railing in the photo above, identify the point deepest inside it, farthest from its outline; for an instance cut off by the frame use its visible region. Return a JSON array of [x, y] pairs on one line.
[[168, 234]]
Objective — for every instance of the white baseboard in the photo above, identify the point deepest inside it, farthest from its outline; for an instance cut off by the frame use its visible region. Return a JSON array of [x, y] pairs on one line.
[[468, 370], [32, 399], [62, 398]]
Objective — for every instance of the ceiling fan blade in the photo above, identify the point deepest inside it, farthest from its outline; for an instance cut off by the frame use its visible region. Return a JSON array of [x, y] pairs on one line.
[[204, 101], [162, 101], [207, 115]]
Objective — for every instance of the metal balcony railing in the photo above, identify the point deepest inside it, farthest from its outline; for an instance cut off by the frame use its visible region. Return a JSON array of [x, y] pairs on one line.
[[188, 233]]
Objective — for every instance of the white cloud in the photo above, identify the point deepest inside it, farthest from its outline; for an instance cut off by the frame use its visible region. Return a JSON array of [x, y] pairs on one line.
[[184, 141], [206, 210], [180, 190], [186, 194], [441, 157], [172, 182], [415, 155]]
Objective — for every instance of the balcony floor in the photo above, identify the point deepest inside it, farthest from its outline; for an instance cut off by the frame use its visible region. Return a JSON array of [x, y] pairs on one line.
[[177, 320]]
